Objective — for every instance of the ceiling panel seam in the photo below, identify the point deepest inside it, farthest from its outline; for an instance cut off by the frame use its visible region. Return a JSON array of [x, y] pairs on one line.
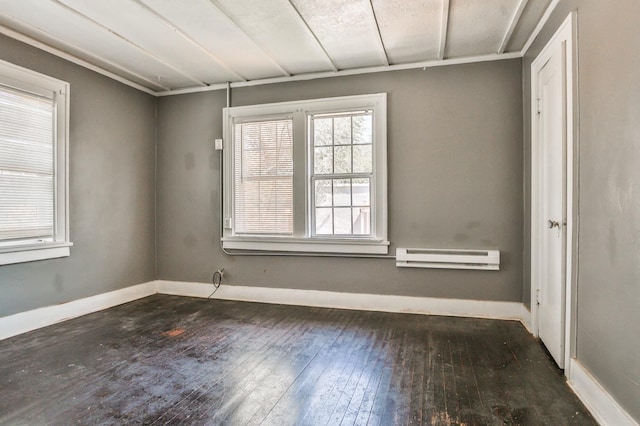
[[512, 25], [84, 51], [315, 37], [383, 51], [444, 26], [137, 46], [74, 59], [269, 55], [538, 28], [189, 39]]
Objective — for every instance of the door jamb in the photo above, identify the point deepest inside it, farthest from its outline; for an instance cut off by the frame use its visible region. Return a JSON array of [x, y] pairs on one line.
[[565, 35]]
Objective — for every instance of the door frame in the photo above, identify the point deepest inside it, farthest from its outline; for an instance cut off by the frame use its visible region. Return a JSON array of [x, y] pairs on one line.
[[565, 37]]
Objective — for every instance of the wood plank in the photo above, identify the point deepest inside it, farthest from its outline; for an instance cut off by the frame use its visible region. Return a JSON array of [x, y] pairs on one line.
[[299, 393], [360, 406], [334, 376], [177, 360]]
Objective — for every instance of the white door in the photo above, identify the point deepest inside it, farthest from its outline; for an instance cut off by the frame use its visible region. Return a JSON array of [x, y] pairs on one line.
[[552, 143]]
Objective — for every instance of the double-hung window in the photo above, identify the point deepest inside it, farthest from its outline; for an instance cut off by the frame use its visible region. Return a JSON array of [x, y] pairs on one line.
[[307, 176], [33, 166]]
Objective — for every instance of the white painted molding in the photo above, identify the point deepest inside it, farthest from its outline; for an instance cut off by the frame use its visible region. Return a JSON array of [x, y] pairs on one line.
[[42, 317], [600, 403], [23, 322], [564, 38], [184, 288], [353, 71], [525, 318], [355, 301]]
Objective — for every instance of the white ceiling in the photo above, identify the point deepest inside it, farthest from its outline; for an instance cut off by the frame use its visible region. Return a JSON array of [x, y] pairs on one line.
[[168, 45]]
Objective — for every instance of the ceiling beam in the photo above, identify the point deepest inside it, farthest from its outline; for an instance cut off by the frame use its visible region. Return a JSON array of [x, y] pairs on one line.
[[188, 38], [545, 17], [382, 50], [216, 5], [130, 42], [512, 26], [315, 37], [353, 71], [45, 35], [444, 27]]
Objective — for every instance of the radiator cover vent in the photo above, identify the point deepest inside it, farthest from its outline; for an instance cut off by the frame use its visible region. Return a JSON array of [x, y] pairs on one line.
[[448, 259]]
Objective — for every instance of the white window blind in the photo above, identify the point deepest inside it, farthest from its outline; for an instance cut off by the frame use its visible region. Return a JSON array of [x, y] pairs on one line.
[[27, 194], [263, 177]]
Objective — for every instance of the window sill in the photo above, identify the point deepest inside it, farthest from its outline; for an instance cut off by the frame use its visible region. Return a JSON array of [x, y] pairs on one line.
[[31, 253], [307, 246]]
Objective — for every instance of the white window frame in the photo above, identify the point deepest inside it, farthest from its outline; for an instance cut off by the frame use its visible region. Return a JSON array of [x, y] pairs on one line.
[[28, 250], [303, 239]]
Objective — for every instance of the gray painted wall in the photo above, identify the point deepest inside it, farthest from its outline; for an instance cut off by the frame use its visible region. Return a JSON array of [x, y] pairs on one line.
[[112, 150], [455, 181], [608, 262]]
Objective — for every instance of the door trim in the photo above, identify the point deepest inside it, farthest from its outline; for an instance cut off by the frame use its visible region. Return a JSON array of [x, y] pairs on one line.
[[565, 37]]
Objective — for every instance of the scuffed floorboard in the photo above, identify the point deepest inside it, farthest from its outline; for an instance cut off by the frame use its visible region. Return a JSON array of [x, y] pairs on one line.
[[178, 360]]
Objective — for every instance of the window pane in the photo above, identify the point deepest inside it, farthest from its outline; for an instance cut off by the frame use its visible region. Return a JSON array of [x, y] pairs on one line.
[[322, 131], [323, 160], [342, 221], [351, 153], [324, 221], [249, 136], [342, 160], [361, 221], [263, 181], [342, 192], [362, 161], [342, 130], [268, 162], [362, 129], [323, 193], [361, 190], [251, 163]]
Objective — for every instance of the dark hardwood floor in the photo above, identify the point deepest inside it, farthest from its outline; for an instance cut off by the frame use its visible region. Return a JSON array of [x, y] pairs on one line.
[[179, 360]]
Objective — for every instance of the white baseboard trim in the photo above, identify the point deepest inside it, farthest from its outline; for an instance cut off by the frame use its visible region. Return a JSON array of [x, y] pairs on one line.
[[23, 322], [31, 320], [525, 318], [356, 301], [598, 401]]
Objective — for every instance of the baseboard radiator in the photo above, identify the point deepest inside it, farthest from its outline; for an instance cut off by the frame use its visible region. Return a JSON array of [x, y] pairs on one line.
[[448, 259]]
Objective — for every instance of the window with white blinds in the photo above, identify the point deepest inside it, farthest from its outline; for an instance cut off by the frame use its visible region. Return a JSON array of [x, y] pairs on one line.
[[307, 176], [263, 181], [34, 222], [26, 165]]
